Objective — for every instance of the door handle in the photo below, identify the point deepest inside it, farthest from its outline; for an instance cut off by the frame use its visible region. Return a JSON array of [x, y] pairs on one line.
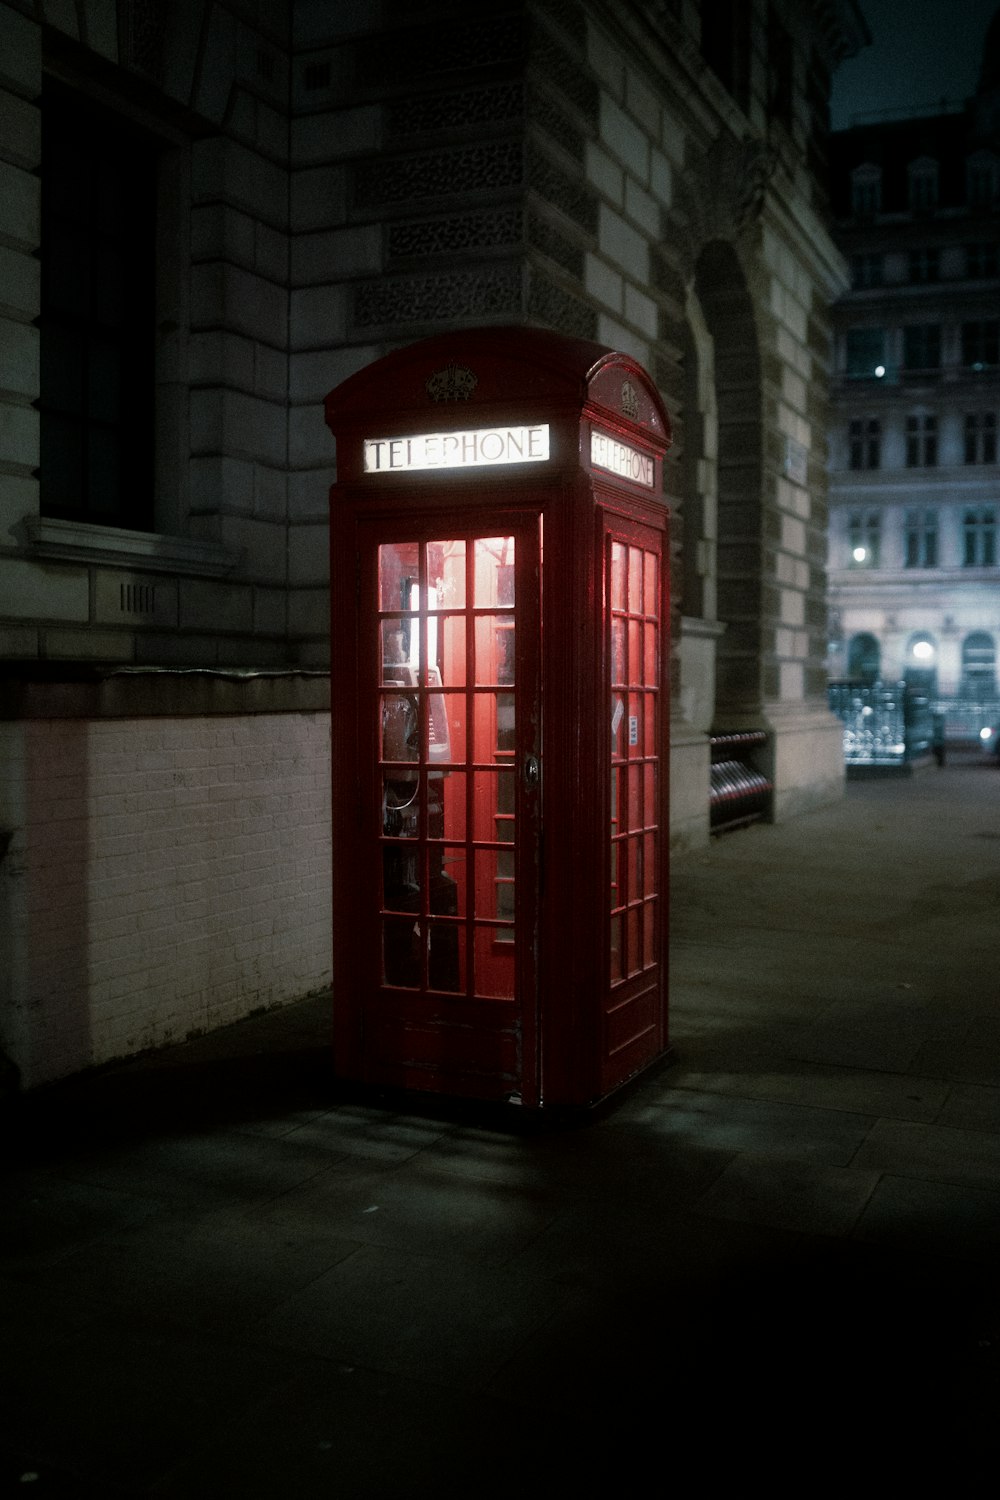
[[532, 772]]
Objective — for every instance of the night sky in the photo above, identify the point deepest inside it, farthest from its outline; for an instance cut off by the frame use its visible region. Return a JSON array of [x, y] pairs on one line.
[[922, 51]]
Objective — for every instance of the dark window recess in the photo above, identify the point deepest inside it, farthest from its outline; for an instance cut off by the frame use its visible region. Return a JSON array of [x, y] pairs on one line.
[[980, 437], [725, 45], [922, 346], [981, 343], [921, 442], [97, 315]]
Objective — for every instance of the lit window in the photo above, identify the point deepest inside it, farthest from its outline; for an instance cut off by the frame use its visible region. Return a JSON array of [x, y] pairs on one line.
[[982, 175], [922, 347], [866, 191], [921, 442], [980, 437], [865, 443], [865, 352], [979, 533], [925, 264], [981, 260], [979, 666], [866, 271], [864, 538], [923, 176], [921, 539], [981, 343]]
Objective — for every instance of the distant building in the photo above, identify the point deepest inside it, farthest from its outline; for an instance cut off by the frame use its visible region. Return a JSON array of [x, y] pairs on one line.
[[915, 477], [210, 215]]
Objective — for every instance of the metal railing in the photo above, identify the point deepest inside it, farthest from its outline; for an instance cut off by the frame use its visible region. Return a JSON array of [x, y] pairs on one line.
[[885, 724]]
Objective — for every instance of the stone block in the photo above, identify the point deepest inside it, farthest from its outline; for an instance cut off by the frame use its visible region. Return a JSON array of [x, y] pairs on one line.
[[20, 206], [43, 591], [604, 173], [125, 598], [610, 331], [220, 483], [323, 371], [624, 139], [221, 359], [317, 21], [239, 300], [309, 493], [18, 500], [319, 259], [319, 198], [19, 435], [673, 139], [791, 681], [661, 178], [270, 372], [239, 426], [622, 244], [20, 283], [641, 102], [262, 544], [318, 317], [226, 171], [18, 640], [793, 607], [335, 134], [19, 348], [20, 131], [309, 555], [102, 27], [310, 442], [640, 310], [606, 62], [309, 612], [603, 283], [215, 605], [220, 233], [270, 614], [20, 53], [270, 493], [89, 645], [271, 254]]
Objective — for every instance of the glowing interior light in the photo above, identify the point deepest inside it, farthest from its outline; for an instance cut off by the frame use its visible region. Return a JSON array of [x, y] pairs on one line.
[[923, 650], [985, 734], [879, 371], [859, 554], [432, 626]]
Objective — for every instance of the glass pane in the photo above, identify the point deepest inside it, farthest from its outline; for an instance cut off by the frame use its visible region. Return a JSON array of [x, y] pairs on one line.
[[402, 952], [635, 580], [649, 716], [103, 470], [494, 807], [452, 786], [494, 572], [649, 865], [447, 724], [398, 574], [449, 881], [395, 635], [451, 649], [650, 947], [446, 573], [617, 576], [634, 869], [651, 592], [494, 714], [635, 730], [400, 720], [446, 966], [401, 883], [635, 650], [494, 963], [494, 650], [634, 797], [617, 971], [634, 939], [649, 797], [615, 896], [651, 675], [400, 807], [618, 677]]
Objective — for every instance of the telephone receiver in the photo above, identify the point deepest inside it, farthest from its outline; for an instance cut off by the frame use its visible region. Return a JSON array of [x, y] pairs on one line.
[[401, 719]]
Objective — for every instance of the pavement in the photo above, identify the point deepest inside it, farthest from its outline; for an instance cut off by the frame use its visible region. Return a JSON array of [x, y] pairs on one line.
[[771, 1260]]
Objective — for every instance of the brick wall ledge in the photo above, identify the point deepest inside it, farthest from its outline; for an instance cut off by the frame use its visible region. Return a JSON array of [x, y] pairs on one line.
[[64, 690]]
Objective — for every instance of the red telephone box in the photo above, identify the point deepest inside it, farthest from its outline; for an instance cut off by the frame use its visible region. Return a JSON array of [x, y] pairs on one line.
[[500, 711]]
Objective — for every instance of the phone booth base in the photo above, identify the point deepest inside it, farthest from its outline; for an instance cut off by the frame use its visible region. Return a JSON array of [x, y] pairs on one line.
[[499, 719]]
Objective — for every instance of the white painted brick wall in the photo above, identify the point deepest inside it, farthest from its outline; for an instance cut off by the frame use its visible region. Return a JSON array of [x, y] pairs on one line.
[[165, 876]]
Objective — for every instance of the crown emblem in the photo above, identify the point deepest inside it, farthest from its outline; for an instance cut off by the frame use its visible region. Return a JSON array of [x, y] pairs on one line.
[[630, 400], [453, 383]]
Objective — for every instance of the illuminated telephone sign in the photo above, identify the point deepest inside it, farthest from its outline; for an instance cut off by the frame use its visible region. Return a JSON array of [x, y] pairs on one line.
[[457, 450], [618, 458]]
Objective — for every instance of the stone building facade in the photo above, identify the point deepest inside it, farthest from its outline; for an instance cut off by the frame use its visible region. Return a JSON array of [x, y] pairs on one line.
[[212, 213], [915, 502]]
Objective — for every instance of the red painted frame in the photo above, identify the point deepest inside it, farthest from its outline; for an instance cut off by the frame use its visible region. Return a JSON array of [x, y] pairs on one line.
[[567, 1051]]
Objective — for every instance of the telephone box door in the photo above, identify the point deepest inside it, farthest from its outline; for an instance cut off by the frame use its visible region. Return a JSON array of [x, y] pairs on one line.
[[449, 772]]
